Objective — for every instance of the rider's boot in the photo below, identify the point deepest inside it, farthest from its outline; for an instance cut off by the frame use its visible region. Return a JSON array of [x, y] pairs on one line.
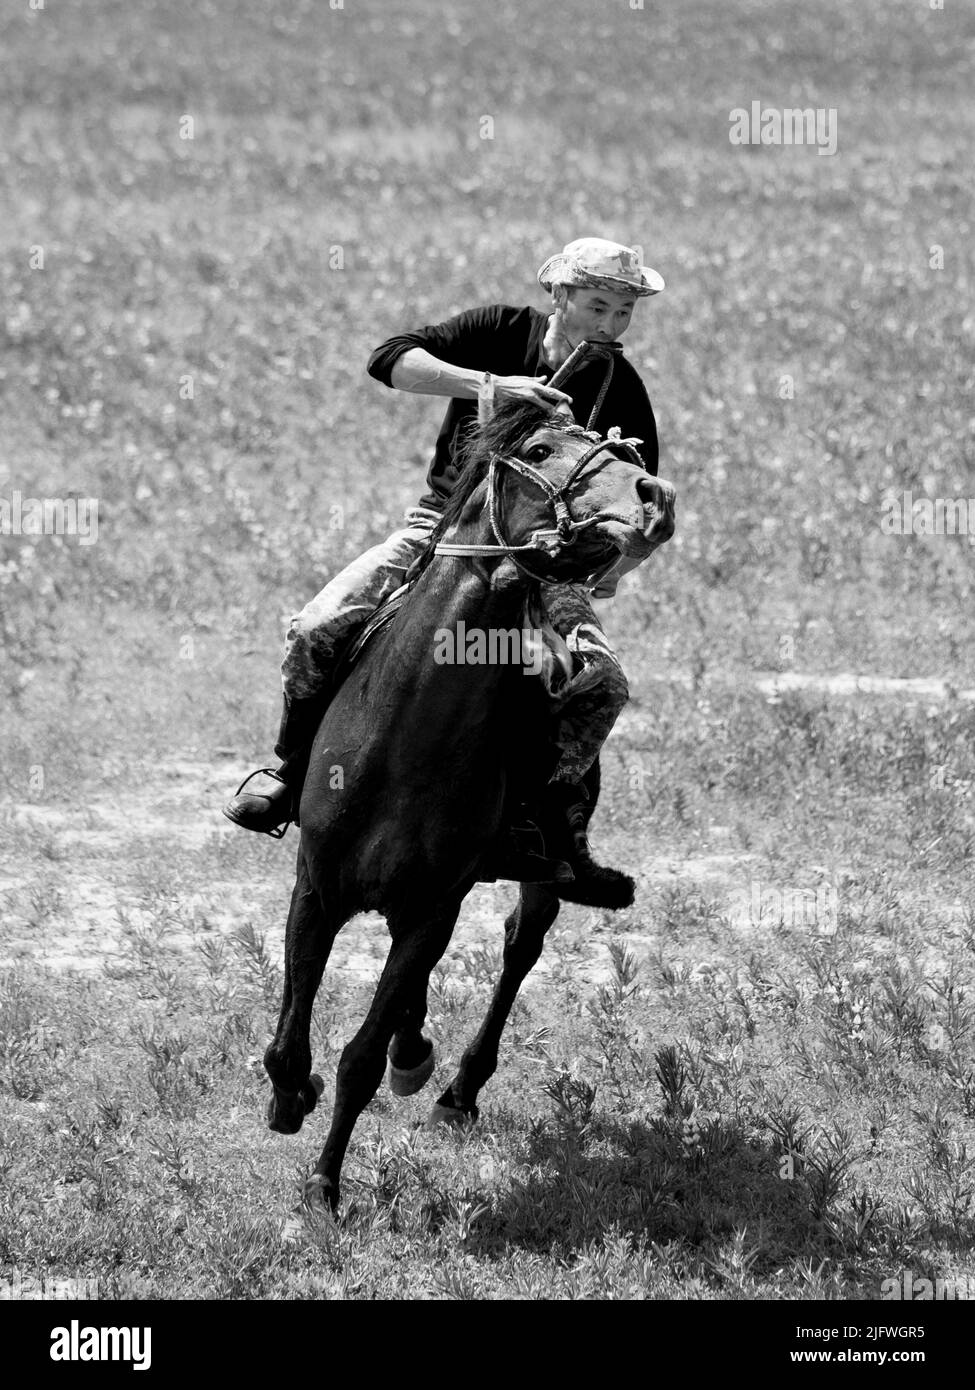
[[520, 854], [549, 844], [563, 821], [272, 811]]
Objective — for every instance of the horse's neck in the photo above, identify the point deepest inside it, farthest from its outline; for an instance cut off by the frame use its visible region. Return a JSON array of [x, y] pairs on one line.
[[455, 589], [459, 596], [431, 701]]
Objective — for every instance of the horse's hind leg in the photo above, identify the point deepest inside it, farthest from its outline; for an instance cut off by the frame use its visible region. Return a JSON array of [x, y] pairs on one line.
[[308, 940], [524, 933], [416, 948]]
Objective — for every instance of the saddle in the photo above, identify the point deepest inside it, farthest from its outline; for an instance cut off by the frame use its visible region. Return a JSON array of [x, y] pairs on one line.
[[376, 622]]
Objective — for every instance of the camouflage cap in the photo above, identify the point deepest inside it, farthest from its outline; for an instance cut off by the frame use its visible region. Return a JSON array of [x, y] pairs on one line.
[[597, 264]]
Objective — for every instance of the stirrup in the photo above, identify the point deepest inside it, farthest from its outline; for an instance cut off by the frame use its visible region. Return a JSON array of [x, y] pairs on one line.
[[279, 831], [520, 855]]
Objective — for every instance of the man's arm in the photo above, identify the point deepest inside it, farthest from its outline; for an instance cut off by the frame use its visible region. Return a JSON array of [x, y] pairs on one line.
[[418, 371], [451, 358], [425, 375]]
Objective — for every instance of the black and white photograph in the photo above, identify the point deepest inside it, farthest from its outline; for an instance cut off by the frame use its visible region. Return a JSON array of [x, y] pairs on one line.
[[487, 535]]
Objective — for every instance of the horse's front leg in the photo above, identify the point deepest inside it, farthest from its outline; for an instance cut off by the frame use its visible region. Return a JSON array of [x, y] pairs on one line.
[[417, 945], [412, 1056], [308, 941], [524, 933]]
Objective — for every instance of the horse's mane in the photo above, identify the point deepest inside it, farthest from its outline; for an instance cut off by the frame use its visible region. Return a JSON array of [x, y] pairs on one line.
[[512, 423]]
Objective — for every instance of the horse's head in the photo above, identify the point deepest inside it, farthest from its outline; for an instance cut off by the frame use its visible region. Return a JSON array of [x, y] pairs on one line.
[[565, 503]]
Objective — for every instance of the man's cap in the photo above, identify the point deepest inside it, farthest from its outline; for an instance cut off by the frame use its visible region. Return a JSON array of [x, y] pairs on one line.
[[600, 265]]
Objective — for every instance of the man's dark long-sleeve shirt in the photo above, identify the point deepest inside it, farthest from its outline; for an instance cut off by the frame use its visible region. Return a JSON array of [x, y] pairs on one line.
[[507, 341]]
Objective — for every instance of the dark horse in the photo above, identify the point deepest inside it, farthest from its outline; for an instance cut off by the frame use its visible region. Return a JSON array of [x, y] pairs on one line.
[[413, 763]]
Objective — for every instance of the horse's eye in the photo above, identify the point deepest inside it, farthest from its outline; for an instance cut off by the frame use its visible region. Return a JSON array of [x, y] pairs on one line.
[[539, 453]]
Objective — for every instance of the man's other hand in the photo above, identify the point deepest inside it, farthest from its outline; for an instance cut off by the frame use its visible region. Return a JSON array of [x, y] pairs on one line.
[[530, 388]]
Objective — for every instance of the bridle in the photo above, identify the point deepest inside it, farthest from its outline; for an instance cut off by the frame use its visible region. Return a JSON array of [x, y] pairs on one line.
[[566, 528]]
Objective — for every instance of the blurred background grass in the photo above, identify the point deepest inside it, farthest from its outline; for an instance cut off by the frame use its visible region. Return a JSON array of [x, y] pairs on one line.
[[358, 128]]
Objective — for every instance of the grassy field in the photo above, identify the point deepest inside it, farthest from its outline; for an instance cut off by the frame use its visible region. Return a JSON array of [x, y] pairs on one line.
[[760, 1081]]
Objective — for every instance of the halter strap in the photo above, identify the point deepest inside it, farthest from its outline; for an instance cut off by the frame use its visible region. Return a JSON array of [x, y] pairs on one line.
[[565, 531]]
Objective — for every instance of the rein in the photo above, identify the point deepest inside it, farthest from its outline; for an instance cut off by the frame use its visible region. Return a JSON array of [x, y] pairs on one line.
[[581, 353]]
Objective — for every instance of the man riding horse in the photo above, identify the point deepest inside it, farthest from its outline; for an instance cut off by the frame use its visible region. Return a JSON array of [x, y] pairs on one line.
[[521, 354]]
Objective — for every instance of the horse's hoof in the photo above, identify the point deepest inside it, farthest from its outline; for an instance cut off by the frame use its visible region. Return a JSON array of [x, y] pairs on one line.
[[283, 1126], [451, 1116], [285, 1118], [319, 1195], [406, 1081], [312, 1092]]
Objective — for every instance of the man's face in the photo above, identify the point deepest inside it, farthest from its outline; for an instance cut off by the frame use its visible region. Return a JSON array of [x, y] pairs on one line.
[[598, 316]]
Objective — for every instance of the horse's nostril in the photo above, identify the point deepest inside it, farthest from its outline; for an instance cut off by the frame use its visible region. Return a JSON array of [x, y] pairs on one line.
[[652, 491], [648, 490]]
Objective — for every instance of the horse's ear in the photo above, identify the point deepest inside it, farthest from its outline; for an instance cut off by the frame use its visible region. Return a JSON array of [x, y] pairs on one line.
[[485, 399]]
